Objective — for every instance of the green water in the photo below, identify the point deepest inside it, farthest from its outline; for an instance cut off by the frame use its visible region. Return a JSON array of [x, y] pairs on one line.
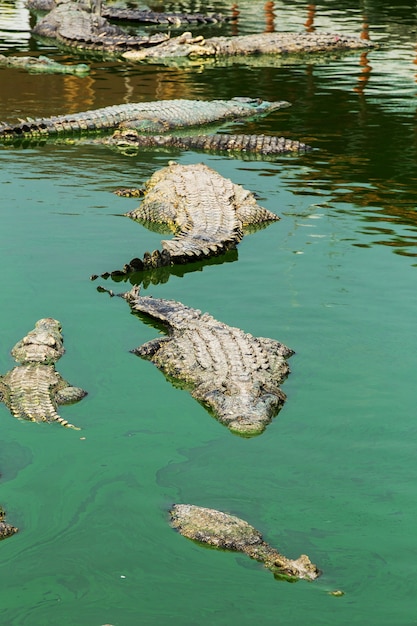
[[334, 476]]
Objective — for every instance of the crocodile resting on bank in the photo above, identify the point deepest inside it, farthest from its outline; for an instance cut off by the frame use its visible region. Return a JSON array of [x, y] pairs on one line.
[[6, 530], [33, 389], [141, 16], [130, 142], [206, 211], [277, 43], [228, 532], [152, 117], [232, 372], [43, 65]]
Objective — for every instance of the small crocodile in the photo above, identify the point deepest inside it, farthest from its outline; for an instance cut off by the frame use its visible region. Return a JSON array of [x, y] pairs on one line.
[[276, 43], [141, 16], [33, 389], [232, 372], [228, 532], [130, 142], [206, 211], [43, 65], [6, 530], [152, 117]]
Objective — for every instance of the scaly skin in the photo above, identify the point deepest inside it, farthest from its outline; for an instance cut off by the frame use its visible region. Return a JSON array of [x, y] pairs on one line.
[[277, 44], [206, 211], [6, 530], [159, 116], [228, 532], [34, 389], [234, 373], [43, 65], [129, 141]]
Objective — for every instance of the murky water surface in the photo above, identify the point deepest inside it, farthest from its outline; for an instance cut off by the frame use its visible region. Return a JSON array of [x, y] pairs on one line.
[[334, 476]]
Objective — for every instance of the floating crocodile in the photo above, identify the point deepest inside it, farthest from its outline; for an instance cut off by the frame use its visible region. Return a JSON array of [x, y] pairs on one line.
[[277, 43], [228, 532], [33, 389], [141, 16], [152, 117], [206, 211], [43, 65], [6, 530], [70, 25], [130, 142], [233, 373]]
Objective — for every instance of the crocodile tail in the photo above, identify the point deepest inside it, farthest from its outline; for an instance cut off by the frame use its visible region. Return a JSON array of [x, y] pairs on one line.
[[64, 423]]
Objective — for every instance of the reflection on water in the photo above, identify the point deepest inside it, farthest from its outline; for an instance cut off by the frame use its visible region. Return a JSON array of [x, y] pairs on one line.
[[335, 474]]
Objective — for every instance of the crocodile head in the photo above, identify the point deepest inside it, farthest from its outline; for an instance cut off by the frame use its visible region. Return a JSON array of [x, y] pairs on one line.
[[261, 106], [246, 412], [43, 344]]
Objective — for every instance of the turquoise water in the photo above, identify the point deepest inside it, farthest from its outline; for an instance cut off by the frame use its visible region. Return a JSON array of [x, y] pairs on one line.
[[334, 475]]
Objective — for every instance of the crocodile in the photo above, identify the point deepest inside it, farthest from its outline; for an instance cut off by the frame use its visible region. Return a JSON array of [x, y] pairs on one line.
[[33, 389], [43, 65], [6, 530], [206, 211], [130, 142], [140, 16], [70, 25], [151, 117], [276, 43], [233, 373], [221, 530]]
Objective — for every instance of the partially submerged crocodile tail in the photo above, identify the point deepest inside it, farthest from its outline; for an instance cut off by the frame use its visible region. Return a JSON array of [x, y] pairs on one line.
[[65, 423]]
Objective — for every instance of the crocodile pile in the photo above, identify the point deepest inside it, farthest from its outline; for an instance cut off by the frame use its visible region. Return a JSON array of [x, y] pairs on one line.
[[206, 211], [232, 372], [228, 532], [276, 43], [158, 116], [33, 389], [43, 65], [6, 530], [128, 141]]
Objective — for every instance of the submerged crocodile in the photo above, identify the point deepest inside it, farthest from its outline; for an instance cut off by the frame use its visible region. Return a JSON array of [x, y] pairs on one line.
[[130, 142], [232, 372], [33, 389], [6, 530], [206, 211], [228, 532], [276, 43], [152, 117], [141, 16], [43, 65]]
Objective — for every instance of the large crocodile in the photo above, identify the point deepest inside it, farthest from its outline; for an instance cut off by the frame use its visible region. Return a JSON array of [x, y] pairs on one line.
[[43, 65], [130, 142], [70, 25], [206, 211], [228, 532], [33, 389], [6, 530], [141, 16], [277, 44], [152, 117], [232, 372]]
